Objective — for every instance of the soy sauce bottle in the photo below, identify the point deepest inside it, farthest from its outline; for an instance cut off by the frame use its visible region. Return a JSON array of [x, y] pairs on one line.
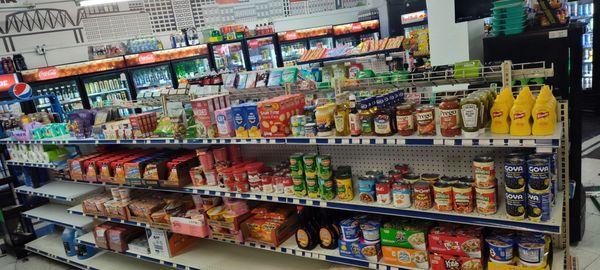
[[307, 236], [328, 234]]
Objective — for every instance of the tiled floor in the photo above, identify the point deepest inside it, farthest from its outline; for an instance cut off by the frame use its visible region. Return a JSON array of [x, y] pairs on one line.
[[588, 250], [33, 262]]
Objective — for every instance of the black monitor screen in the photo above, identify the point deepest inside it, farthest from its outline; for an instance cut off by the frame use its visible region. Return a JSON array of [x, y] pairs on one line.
[[468, 10]]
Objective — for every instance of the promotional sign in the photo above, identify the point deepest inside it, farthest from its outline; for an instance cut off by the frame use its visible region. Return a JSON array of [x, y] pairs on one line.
[[7, 80], [414, 17], [146, 58], [47, 73], [20, 91]]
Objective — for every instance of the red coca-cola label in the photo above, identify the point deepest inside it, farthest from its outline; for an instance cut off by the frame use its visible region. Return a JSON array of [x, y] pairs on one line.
[[541, 115], [291, 35], [146, 58], [356, 27], [47, 73]]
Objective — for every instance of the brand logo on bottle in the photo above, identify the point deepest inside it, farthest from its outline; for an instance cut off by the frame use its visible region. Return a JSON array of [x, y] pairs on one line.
[[47, 73], [497, 114], [541, 115], [519, 115], [146, 58]]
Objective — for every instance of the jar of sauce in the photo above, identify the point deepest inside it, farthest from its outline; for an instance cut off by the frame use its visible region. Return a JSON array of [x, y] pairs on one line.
[[470, 112], [405, 119], [426, 120], [382, 122], [450, 117]]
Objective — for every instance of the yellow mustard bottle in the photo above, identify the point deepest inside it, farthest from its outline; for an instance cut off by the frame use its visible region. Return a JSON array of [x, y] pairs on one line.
[[499, 115], [526, 94], [544, 113], [520, 115]]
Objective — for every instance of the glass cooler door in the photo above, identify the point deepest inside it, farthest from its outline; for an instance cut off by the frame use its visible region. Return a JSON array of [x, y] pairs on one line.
[[229, 56], [262, 53], [106, 89], [66, 91]]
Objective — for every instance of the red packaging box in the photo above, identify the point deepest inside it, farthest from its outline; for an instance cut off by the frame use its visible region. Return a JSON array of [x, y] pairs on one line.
[[203, 110], [101, 235], [451, 262], [275, 114], [450, 239], [120, 236], [77, 167]]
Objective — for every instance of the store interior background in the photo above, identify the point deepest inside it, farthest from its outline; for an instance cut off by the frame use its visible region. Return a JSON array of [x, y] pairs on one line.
[[450, 42]]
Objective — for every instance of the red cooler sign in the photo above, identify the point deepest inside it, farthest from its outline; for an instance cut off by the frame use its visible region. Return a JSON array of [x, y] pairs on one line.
[[47, 73], [146, 58], [6, 81]]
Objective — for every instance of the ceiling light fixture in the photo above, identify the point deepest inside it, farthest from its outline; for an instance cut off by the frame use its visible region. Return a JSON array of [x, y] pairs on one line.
[[87, 3]]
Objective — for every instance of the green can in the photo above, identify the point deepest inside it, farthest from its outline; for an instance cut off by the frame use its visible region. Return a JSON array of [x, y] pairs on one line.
[[296, 165], [324, 168], [310, 165], [312, 187], [299, 186], [327, 188]]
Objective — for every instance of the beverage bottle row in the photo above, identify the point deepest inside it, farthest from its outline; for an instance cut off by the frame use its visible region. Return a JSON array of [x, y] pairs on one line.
[[63, 93], [155, 76], [108, 100], [7, 66], [104, 86]]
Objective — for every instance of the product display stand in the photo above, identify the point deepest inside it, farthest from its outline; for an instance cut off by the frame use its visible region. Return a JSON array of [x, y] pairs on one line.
[[424, 154]]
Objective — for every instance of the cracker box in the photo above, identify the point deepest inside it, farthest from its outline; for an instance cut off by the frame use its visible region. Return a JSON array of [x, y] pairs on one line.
[[405, 257], [267, 231], [203, 110], [404, 235], [275, 114], [240, 120], [451, 262], [458, 240], [224, 119]]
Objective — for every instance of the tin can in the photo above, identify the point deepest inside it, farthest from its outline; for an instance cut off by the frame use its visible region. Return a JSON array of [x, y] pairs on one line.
[[516, 203], [449, 180], [296, 165], [324, 167], [484, 172], [538, 205], [515, 169], [463, 198], [343, 182], [312, 187], [395, 174], [401, 194], [266, 180], [299, 186], [469, 181], [442, 197], [411, 178], [310, 165], [485, 200], [374, 174], [422, 195], [310, 130], [431, 178], [288, 184], [383, 191], [326, 188], [403, 168], [366, 189], [298, 120], [539, 174]]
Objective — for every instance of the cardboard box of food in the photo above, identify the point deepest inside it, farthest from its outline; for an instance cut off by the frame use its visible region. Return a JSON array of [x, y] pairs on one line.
[[167, 244], [360, 249], [459, 240], [450, 262], [269, 231], [405, 257], [404, 235]]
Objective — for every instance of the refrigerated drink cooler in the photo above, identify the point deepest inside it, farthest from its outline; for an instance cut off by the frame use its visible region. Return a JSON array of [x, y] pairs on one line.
[[190, 69], [262, 52], [229, 56], [66, 91], [106, 89], [583, 11], [148, 81]]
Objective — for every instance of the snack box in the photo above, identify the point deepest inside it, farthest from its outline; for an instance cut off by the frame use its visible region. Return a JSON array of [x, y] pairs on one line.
[[119, 168], [95, 205], [194, 224], [76, 166], [120, 236], [167, 244], [514, 266], [360, 249], [404, 234], [451, 262], [100, 234], [203, 110], [464, 241], [155, 170], [227, 234], [275, 114], [179, 173], [140, 209], [224, 119], [269, 231], [246, 120], [117, 209], [106, 171], [405, 257], [218, 217]]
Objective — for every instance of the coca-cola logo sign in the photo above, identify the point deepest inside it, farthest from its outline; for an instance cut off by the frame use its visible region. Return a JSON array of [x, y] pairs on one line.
[[146, 58], [47, 73]]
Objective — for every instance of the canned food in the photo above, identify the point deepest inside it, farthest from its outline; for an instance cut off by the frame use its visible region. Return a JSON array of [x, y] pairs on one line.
[[463, 198], [298, 120], [299, 131], [343, 181], [310, 165], [539, 174], [296, 165], [469, 181], [411, 178], [374, 174], [442, 197], [326, 188], [299, 186], [310, 130], [516, 203], [484, 172], [432, 178], [538, 205], [485, 200], [514, 172], [395, 174], [312, 187], [449, 180], [324, 168], [401, 194], [403, 168], [422, 195], [383, 190], [366, 189], [266, 180]]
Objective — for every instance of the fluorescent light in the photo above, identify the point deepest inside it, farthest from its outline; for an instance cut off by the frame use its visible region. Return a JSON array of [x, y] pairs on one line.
[[86, 3]]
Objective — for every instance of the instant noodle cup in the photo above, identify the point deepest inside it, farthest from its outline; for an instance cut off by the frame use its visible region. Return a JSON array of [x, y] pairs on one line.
[[370, 230], [370, 250], [500, 248], [532, 251], [349, 229]]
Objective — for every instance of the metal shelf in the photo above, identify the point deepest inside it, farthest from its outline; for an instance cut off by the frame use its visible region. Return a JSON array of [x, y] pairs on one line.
[[485, 140], [107, 92], [57, 214], [497, 220], [60, 190], [46, 105], [54, 166], [342, 57], [211, 255], [51, 246]]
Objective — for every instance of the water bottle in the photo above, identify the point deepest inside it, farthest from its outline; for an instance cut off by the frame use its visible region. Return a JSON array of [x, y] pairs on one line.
[[68, 238]]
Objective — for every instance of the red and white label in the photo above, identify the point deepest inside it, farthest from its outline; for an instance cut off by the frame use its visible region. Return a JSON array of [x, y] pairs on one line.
[[519, 115], [6, 81], [146, 58], [541, 115], [356, 27], [291, 35], [47, 73], [497, 114]]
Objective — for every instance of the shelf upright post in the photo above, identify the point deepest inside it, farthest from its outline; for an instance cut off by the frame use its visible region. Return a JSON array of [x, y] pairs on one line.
[[506, 73]]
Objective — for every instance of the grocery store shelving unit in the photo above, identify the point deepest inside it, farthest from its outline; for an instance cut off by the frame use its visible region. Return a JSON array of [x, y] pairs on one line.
[[60, 190], [57, 214], [435, 154], [54, 166]]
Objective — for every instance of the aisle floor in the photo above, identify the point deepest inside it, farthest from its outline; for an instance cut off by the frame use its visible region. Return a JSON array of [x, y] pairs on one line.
[[33, 262]]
